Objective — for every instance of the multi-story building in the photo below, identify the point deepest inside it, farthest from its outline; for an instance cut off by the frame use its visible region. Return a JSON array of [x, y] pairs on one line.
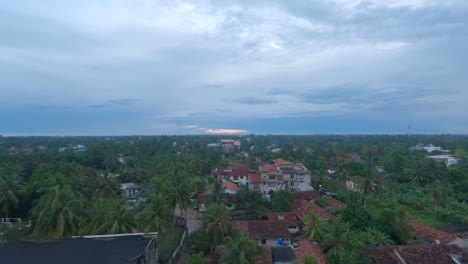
[[236, 172], [282, 175]]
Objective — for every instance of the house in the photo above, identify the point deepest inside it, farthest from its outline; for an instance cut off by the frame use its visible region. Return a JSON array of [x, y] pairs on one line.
[[449, 160], [312, 249], [416, 254], [354, 184], [126, 159], [229, 143], [289, 218], [79, 148], [236, 172], [28, 150], [136, 248], [307, 195], [429, 233], [229, 187], [282, 175], [129, 189], [302, 207], [255, 182], [265, 232], [212, 145]]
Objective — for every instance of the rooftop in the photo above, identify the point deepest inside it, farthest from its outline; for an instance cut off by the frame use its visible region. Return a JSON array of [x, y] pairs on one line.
[[121, 249], [263, 229], [308, 248], [414, 254]]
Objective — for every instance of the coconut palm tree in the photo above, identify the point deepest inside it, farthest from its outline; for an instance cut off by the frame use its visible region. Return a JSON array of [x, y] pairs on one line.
[[438, 192], [57, 213], [238, 250], [106, 188], [335, 232], [219, 222], [157, 215], [10, 191], [313, 226]]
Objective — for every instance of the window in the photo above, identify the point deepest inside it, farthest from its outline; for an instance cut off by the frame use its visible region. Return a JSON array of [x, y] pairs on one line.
[[271, 184], [263, 241], [292, 184], [292, 176], [272, 177], [236, 178], [242, 177]]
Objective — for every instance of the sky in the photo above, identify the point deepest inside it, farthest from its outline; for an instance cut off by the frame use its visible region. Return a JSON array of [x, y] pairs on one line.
[[150, 67]]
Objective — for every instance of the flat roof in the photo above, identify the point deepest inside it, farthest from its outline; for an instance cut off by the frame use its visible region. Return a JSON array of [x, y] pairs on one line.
[[122, 249]]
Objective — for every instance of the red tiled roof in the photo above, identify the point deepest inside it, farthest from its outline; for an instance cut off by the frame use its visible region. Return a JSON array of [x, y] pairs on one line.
[[263, 229], [230, 185], [308, 248], [290, 218], [267, 168], [414, 254], [237, 169], [307, 195], [335, 203], [281, 161], [423, 231], [280, 177], [255, 178], [302, 207]]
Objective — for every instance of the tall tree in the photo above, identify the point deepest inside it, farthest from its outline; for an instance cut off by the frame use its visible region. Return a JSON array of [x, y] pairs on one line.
[[219, 222], [313, 226], [11, 189], [58, 212], [156, 215], [438, 192], [238, 250]]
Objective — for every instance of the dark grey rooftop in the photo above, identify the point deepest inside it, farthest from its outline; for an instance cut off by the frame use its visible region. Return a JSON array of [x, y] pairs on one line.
[[125, 249]]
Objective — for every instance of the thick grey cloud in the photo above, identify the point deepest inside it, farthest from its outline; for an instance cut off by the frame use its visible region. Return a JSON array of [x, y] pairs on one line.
[[180, 64]]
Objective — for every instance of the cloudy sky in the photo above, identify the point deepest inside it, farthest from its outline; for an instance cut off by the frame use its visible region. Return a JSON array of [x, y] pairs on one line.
[[107, 67]]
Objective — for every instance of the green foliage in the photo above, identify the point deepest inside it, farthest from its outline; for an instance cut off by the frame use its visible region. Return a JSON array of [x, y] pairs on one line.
[[314, 226], [321, 201], [238, 250], [198, 241], [218, 222], [109, 217], [58, 212], [11, 190], [282, 201], [253, 202], [198, 258], [358, 217]]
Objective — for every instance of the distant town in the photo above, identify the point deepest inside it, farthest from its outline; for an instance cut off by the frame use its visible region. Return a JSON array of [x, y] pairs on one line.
[[211, 199]]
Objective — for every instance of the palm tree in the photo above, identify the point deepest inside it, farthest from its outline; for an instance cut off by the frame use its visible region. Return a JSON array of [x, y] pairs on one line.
[[379, 238], [157, 215], [334, 238], [238, 250], [438, 193], [10, 189], [106, 187], [180, 189], [217, 194], [313, 226], [57, 212], [367, 184], [219, 222]]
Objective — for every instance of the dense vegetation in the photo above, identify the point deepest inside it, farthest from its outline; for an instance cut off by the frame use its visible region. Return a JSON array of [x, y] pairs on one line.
[[65, 193]]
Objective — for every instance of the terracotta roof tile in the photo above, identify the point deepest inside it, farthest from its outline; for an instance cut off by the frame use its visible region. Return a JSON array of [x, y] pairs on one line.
[[263, 229], [230, 185], [308, 248], [302, 207], [414, 254], [335, 203], [290, 218], [281, 161], [267, 168], [307, 195], [423, 231]]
